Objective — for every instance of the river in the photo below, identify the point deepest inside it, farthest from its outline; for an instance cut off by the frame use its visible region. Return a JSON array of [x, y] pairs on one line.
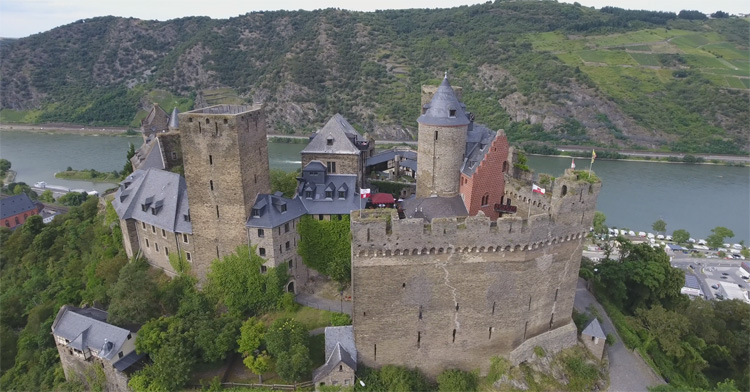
[[634, 194]]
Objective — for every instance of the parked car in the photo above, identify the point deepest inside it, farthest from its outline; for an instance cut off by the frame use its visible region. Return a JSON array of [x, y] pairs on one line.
[[724, 273], [745, 277], [669, 238], [724, 277], [715, 286]]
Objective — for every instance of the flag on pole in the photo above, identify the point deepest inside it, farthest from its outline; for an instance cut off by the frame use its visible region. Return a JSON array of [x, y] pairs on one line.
[[593, 156], [364, 193], [573, 163], [537, 189]]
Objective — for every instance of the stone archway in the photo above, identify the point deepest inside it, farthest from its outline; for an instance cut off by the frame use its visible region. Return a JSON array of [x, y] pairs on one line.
[[290, 287]]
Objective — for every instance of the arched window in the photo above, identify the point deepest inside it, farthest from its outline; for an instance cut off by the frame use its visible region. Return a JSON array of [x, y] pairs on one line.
[[564, 190], [485, 199]]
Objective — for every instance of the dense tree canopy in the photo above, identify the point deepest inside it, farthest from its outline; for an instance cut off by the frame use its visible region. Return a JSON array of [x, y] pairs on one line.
[[325, 246]]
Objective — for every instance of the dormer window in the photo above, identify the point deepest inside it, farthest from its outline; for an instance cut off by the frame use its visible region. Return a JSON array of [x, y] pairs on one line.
[[452, 113], [283, 208], [157, 207], [308, 194], [329, 194], [329, 141], [147, 203], [342, 195], [256, 213]]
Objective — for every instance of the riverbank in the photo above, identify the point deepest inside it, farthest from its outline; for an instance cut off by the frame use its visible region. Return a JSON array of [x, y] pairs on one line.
[[89, 175], [68, 128]]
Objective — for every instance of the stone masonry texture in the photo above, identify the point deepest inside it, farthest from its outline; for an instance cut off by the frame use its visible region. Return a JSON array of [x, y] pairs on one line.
[[225, 155], [441, 154], [454, 292]]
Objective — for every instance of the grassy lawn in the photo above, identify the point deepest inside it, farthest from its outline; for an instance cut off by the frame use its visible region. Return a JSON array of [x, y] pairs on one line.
[[88, 175], [309, 317]]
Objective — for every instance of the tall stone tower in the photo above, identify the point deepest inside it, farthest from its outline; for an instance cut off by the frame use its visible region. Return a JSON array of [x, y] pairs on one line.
[[225, 155], [442, 143]]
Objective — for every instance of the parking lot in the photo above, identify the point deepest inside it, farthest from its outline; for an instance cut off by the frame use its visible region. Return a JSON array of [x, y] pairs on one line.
[[711, 272]]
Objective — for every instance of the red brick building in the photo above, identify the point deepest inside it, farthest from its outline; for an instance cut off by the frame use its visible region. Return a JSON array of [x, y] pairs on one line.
[[483, 173], [16, 209]]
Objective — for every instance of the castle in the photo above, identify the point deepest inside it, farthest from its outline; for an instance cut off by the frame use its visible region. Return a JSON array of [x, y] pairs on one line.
[[475, 265], [455, 280]]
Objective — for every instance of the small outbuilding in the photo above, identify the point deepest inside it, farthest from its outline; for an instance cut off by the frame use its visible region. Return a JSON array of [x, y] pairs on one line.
[[594, 339], [341, 359]]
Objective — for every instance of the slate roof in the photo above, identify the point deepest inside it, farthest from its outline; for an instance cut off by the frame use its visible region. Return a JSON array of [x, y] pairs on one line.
[[341, 134], [390, 155], [478, 139], [174, 122], [85, 332], [434, 207], [156, 116], [438, 110], [409, 163], [594, 329], [339, 348], [316, 182], [274, 210], [17, 204], [162, 194], [149, 155]]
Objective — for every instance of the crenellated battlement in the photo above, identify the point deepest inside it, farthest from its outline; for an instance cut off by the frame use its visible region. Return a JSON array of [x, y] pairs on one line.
[[563, 214]]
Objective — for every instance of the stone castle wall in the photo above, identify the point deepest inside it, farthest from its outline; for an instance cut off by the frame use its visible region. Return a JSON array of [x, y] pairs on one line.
[[225, 155], [441, 154], [455, 292], [171, 149], [76, 368]]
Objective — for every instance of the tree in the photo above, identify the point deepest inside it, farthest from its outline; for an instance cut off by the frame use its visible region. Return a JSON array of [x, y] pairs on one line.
[[283, 334], [47, 197], [295, 364], [259, 364], [659, 226], [663, 326], [681, 236], [128, 168], [720, 15], [285, 182], [599, 226], [716, 240], [73, 198], [4, 167], [457, 380], [642, 277], [252, 332], [134, 296]]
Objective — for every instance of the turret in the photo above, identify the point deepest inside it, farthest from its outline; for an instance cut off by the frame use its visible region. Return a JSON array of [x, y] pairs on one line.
[[442, 142]]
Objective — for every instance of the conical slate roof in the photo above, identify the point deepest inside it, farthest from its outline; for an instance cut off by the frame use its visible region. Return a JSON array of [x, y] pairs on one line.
[[444, 109], [173, 121]]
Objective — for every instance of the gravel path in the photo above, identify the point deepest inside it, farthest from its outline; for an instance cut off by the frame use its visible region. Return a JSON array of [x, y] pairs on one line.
[[627, 371], [324, 304]]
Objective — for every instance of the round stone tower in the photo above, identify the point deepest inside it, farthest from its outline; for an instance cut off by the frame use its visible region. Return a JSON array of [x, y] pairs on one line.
[[442, 143]]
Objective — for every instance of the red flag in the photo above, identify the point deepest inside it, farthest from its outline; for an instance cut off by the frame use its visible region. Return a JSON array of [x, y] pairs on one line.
[[537, 189], [364, 193]]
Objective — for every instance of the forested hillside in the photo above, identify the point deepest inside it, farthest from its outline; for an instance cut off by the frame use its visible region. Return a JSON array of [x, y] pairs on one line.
[[543, 71]]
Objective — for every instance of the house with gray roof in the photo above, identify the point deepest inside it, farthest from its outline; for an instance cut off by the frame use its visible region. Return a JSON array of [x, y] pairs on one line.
[[85, 340], [341, 359], [594, 339], [340, 148], [396, 162], [327, 196], [272, 230], [154, 217]]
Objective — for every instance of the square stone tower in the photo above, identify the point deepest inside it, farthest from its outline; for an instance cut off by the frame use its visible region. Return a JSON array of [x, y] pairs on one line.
[[225, 154]]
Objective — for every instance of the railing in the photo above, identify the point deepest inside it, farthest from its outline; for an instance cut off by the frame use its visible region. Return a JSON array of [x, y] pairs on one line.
[[506, 209]]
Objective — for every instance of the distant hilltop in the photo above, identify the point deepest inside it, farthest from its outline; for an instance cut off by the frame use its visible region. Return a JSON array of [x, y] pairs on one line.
[[545, 72]]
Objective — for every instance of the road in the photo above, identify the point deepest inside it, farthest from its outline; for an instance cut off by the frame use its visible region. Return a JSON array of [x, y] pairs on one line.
[[627, 371], [652, 154]]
